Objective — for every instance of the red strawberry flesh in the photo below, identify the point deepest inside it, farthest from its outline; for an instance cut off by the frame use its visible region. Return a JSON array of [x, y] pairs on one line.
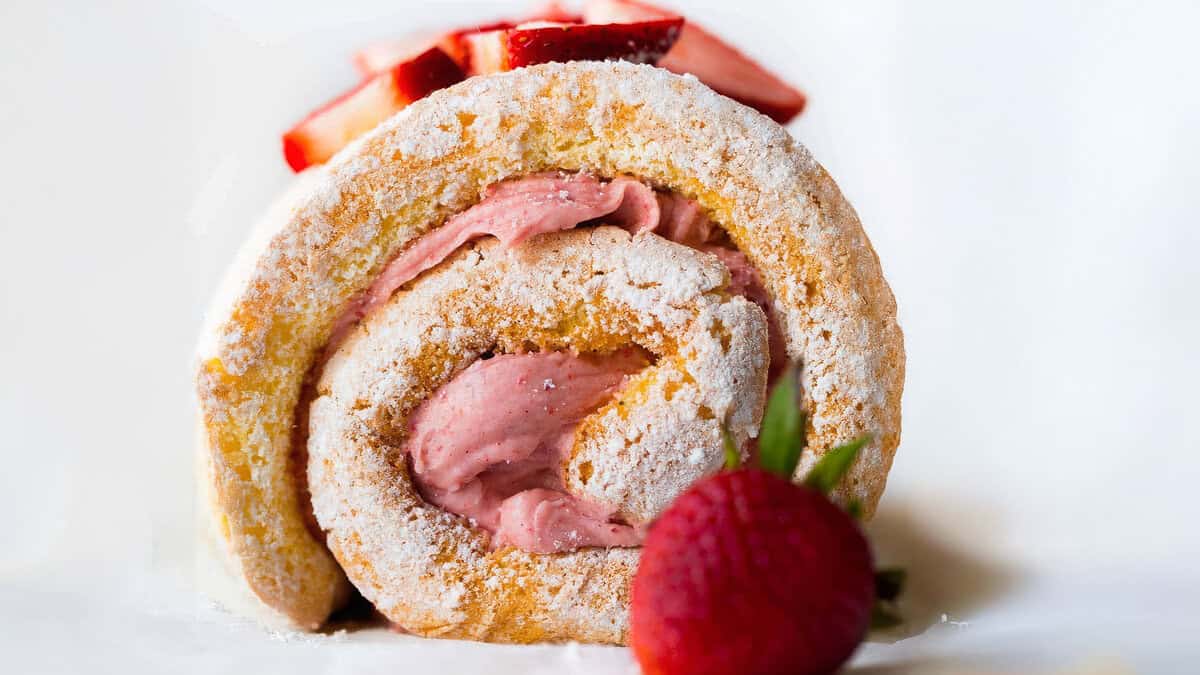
[[710, 59], [484, 52], [383, 55], [530, 44], [748, 573], [379, 56], [458, 45], [642, 42], [328, 129]]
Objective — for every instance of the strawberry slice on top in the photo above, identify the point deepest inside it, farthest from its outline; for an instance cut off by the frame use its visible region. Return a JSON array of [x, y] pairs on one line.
[[328, 129], [379, 56], [710, 59], [544, 42], [402, 71]]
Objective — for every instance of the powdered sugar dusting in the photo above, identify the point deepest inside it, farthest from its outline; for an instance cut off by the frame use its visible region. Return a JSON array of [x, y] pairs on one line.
[[435, 159], [394, 546]]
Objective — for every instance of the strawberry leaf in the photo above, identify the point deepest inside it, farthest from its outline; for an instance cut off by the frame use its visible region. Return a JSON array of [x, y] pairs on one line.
[[782, 437], [733, 458], [830, 469]]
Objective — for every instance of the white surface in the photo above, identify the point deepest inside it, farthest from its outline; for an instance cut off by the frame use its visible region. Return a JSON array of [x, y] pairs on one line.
[[1026, 170]]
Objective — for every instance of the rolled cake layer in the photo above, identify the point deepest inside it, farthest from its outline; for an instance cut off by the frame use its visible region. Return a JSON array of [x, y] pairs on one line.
[[773, 205], [587, 291]]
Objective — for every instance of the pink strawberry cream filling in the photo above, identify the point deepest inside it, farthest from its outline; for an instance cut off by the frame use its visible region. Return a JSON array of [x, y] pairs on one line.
[[491, 443]]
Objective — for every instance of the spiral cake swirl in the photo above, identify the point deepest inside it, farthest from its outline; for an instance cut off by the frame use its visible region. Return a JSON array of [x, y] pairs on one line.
[[436, 159]]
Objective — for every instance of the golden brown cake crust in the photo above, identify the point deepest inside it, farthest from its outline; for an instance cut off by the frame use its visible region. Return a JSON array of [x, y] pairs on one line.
[[435, 159]]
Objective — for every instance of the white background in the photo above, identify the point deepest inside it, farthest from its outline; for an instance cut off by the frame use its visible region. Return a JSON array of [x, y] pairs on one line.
[[1026, 170]]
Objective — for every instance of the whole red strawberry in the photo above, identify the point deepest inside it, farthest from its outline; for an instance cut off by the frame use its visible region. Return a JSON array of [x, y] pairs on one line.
[[747, 573]]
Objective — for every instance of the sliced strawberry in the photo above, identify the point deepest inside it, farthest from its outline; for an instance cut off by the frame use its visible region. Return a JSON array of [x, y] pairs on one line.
[[552, 10], [529, 44], [485, 51], [458, 44], [710, 59], [329, 128], [730, 72], [641, 42], [379, 56]]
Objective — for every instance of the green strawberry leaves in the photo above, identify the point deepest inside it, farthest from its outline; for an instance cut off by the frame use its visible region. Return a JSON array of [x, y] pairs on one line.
[[781, 440], [733, 458], [780, 444], [782, 436], [830, 469]]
